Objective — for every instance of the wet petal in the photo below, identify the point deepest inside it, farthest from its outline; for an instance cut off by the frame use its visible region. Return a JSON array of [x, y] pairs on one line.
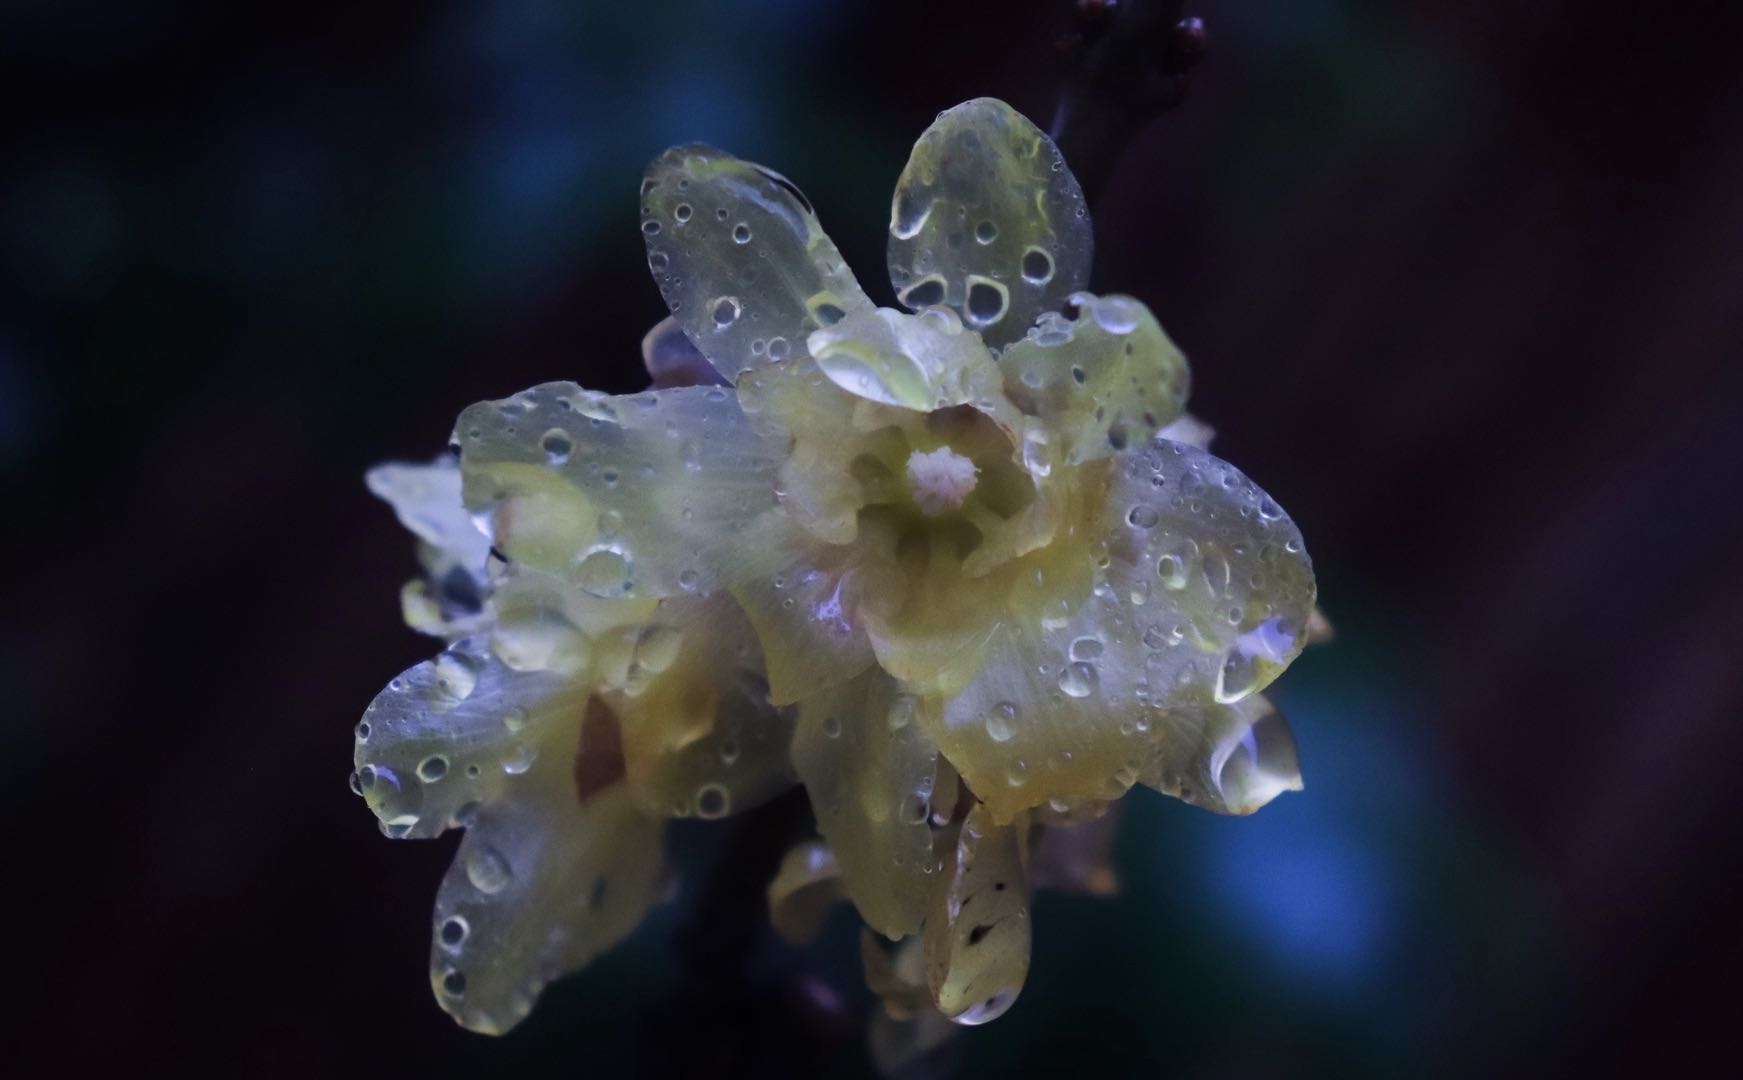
[[653, 494], [427, 500], [919, 362], [977, 926], [540, 886], [700, 737], [672, 360], [740, 258], [1204, 597], [870, 772], [908, 1026], [1104, 381], [453, 732], [1232, 759], [806, 614], [803, 890], [988, 220], [1218, 587]]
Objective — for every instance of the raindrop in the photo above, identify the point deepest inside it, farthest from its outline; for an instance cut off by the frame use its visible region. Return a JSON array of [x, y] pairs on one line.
[[741, 233], [986, 232], [681, 213], [999, 722], [603, 572], [1143, 517], [726, 311], [712, 801], [986, 301], [454, 930], [1086, 648], [1037, 266], [487, 870], [556, 445], [433, 769], [777, 348], [1078, 679]]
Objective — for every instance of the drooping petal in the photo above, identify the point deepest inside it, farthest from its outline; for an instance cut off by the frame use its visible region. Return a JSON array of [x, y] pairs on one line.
[[977, 925], [453, 733], [740, 257], [1204, 597], [542, 883], [870, 771], [1232, 759], [988, 220], [908, 1026], [653, 494], [803, 890], [700, 737], [1103, 381]]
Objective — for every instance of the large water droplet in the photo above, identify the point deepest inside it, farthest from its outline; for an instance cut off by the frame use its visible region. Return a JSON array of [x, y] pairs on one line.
[[487, 870], [604, 571], [1000, 722], [1079, 679]]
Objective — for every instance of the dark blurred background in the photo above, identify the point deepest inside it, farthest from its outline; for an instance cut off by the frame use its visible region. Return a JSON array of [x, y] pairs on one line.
[[1462, 283]]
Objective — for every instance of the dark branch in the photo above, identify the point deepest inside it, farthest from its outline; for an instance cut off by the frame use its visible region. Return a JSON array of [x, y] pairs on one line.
[[1126, 63]]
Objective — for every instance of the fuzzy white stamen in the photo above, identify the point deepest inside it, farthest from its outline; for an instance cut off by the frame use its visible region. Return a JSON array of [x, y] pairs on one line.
[[940, 480]]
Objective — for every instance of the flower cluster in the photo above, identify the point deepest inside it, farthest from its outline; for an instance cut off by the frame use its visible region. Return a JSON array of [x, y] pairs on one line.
[[965, 570]]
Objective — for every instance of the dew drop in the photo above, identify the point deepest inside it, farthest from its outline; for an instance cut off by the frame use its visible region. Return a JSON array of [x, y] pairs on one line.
[[454, 931], [556, 445], [487, 870], [726, 311], [777, 348], [681, 213], [1143, 517], [1000, 722], [432, 769], [987, 300], [604, 572], [1037, 266], [741, 233], [1086, 648], [986, 232], [712, 801], [1078, 679]]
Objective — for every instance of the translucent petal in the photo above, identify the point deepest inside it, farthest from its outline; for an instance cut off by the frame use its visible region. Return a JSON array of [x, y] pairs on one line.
[[919, 362], [740, 258], [1218, 584], [541, 884], [452, 733], [803, 890], [977, 926], [1104, 381], [673, 360], [1204, 597], [427, 500], [1232, 759], [870, 771], [700, 737], [806, 613], [988, 220], [653, 494]]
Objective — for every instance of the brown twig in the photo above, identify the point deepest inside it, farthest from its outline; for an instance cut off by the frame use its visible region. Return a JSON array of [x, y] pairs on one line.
[[1126, 63]]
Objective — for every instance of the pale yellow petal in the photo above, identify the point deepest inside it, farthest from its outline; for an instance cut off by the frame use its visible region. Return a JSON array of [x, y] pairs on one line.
[[1106, 380], [977, 925], [740, 257], [1232, 759], [869, 770], [987, 219], [803, 890]]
